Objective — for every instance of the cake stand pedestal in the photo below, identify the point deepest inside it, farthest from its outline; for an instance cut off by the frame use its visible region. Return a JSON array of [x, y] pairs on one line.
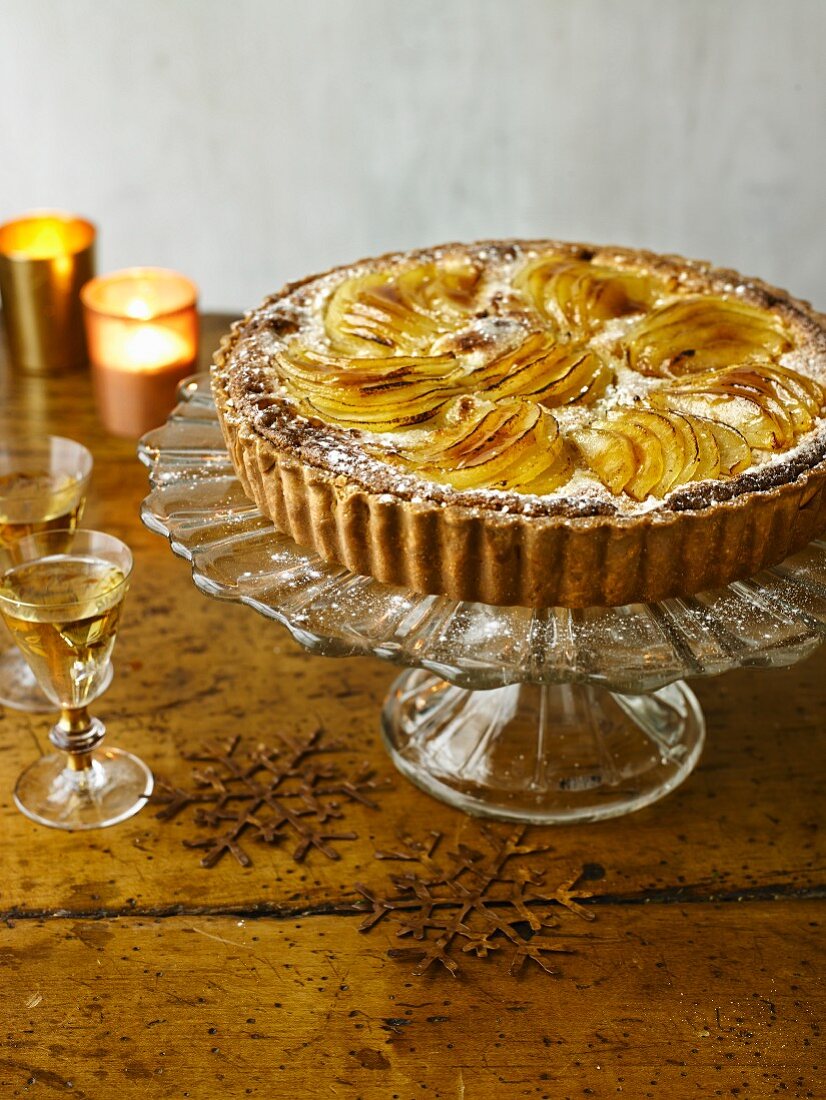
[[541, 752], [537, 715]]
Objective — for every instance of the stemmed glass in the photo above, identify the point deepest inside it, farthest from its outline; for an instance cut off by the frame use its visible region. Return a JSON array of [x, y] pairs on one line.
[[43, 487], [61, 598]]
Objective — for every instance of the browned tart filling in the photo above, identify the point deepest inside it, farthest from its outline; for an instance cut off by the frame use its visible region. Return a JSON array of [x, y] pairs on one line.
[[533, 422]]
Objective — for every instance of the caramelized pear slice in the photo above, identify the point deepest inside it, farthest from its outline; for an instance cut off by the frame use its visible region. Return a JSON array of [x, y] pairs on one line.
[[515, 362], [644, 453], [625, 454], [313, 367], [401, 310], [701, 455], [494, 445], [651, 459], [379, 394], [700, 333], [801, 397], [735, 453], [388, 417], [583, 385], [752, 386], [553, 476], [658, 433], [580, 296], [809, 395], [742, 414], [770, 406], [544, 370], [609, 454], [481, 449], [698, 446]]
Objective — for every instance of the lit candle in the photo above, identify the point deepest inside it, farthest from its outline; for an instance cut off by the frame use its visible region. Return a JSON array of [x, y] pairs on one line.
[[45, 258], [142, 327], [148, 348]]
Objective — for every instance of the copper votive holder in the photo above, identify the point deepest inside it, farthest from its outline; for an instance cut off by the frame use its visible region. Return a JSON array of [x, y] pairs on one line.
[[142, 329], [45, 258]]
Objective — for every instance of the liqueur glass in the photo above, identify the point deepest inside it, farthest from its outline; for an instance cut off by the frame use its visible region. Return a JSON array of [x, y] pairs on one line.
[[61, 598], [43, 486]]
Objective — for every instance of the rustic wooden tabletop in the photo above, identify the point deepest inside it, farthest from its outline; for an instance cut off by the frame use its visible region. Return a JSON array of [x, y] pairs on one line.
[[131, 970]]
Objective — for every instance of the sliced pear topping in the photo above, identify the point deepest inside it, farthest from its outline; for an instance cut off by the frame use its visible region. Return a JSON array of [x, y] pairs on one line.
[[648, 451], [510, 444], [735, 453], [380, 394], [699, 333], [405, 358], [675, 458], [699, 453], [403, 310], [643, 452], [770, 406], [579, 296], [547, 371], [609, 454]]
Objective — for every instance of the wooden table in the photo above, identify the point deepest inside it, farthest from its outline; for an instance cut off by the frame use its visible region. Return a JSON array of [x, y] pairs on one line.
[[129, 970]]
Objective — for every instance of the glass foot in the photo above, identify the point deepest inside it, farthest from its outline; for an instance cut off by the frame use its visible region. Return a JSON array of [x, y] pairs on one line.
[[113, 788], [20, 690], [547, 754]]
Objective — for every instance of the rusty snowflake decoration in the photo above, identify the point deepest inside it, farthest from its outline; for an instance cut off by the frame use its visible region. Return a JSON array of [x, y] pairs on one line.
[[474, 902], [268, 794]]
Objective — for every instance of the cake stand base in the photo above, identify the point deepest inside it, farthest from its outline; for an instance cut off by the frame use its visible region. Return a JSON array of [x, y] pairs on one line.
[[546, 754]]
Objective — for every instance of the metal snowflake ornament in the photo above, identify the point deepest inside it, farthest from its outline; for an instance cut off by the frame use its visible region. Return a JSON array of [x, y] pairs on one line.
[[475, 902], [268, 793]]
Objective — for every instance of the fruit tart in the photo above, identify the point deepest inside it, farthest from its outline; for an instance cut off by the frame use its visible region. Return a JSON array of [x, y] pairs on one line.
[[533, 422]]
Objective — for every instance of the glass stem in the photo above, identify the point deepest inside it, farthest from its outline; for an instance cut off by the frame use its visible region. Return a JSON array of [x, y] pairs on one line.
[[77, 734]]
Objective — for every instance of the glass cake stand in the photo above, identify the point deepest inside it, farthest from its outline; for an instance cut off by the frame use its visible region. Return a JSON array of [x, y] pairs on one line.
[[541, 716]]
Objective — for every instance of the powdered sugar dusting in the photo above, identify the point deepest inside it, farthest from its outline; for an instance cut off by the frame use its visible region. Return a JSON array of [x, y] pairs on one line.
[[498, 325]]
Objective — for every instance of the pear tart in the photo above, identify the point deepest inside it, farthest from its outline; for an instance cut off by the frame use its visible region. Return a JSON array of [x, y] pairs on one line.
[[533, 422]]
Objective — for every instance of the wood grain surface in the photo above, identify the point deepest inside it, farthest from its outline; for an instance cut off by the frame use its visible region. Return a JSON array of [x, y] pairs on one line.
[[129, 970]]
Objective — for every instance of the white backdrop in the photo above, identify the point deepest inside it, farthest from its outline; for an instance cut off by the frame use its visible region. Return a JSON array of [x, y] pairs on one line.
[[246, 142]]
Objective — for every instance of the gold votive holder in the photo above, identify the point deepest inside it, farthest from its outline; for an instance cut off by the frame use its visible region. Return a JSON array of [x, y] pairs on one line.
[[142, 330], [45, 258]]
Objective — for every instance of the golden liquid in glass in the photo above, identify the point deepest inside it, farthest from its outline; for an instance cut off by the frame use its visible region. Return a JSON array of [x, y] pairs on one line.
[[34, 500], [63, 613]]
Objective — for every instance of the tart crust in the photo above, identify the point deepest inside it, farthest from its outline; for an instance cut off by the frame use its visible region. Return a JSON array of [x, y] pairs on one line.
[[503, 548]]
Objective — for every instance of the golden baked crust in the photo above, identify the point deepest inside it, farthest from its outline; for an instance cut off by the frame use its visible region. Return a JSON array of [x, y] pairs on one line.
[[331, 489]]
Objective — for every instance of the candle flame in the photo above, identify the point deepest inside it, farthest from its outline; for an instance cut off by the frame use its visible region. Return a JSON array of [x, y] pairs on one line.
[[150, 347], [138, 308]]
